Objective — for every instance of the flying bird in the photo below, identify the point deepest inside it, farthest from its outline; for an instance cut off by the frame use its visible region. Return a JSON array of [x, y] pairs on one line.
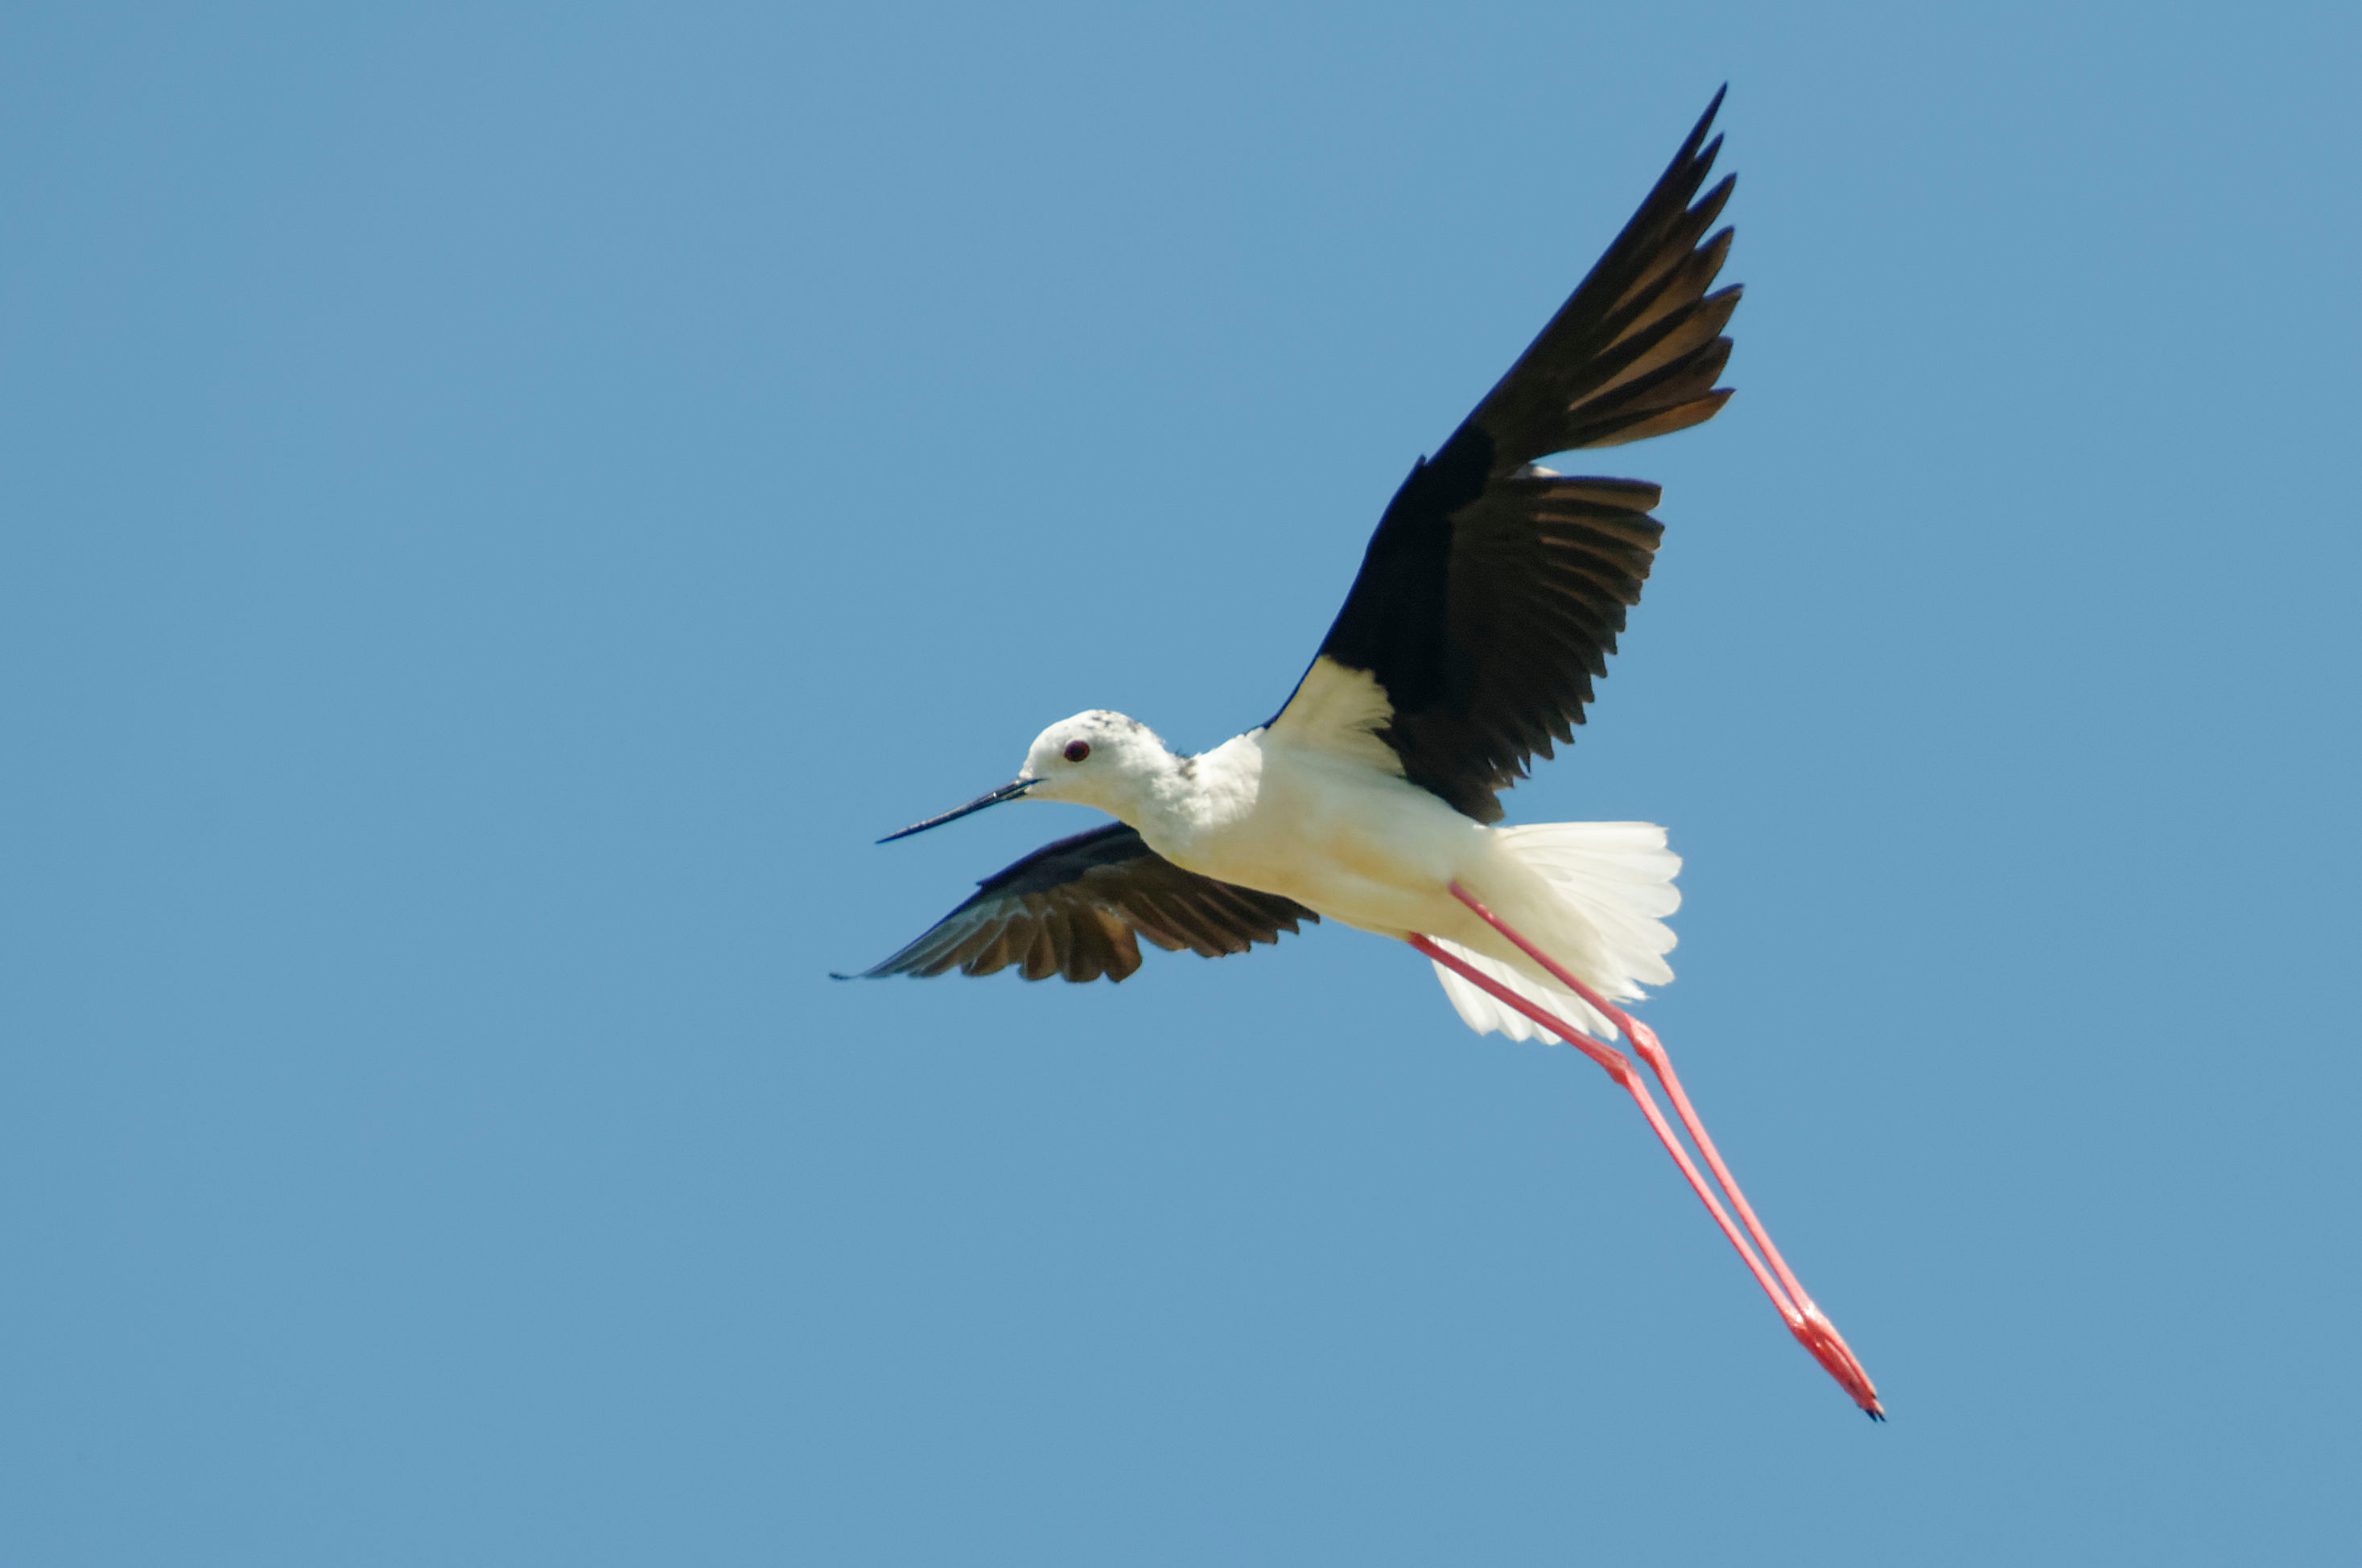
[[1487, 603]]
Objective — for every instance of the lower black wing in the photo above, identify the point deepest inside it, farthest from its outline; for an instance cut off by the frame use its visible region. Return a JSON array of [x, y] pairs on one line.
[[1076, 907]]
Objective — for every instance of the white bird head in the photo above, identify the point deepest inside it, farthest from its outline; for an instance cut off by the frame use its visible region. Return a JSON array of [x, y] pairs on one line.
[[1097, 758]]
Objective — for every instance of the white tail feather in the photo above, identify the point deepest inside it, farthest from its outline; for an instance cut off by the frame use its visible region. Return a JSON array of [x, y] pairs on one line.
[[1615, 880], [1487, 1015]]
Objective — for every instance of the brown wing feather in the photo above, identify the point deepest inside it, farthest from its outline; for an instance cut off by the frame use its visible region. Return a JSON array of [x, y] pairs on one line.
[[1077, 907]]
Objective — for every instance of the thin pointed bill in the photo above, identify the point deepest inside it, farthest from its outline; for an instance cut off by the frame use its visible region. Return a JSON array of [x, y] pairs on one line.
[[1009, 791]]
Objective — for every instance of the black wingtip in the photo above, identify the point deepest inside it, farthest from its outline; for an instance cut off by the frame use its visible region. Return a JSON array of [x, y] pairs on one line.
[[833, 975], [1697, 132], [1878, 1416]]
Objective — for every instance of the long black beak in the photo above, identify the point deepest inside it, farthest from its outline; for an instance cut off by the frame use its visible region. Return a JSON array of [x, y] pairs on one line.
[[1009, 791]]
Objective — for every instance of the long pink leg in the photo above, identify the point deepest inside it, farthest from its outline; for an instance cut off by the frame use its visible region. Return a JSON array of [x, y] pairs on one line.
[[1816, 1333], [1810, 1326], [1619, 1068]]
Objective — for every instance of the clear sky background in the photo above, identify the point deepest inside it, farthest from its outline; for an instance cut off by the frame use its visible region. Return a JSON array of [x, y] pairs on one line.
[[502, 505]]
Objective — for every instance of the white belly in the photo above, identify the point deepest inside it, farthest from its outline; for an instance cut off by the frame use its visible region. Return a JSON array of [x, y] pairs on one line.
[[1373, 851], [1353, 846]]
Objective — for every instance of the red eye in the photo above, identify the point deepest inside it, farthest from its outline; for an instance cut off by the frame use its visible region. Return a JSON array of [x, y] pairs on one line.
[[1077, 750]]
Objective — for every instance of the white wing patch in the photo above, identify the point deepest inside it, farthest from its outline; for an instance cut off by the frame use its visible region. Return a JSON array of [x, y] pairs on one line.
[[1338, 711]]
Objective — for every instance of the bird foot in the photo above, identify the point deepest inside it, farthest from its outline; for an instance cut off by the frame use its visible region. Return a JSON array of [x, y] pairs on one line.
[[1820, 1337]]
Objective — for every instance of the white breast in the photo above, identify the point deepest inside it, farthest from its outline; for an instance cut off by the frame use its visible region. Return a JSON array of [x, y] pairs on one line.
[[1355, 845]]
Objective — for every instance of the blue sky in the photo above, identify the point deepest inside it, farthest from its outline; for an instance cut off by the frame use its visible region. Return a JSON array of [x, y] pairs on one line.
[[505, 503]]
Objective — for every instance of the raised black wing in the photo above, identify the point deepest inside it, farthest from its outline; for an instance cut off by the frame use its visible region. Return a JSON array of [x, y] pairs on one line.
[[1493, 591], [1076, 906]]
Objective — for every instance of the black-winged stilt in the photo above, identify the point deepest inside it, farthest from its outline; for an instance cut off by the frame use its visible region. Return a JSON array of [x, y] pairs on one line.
[[1489, 598]]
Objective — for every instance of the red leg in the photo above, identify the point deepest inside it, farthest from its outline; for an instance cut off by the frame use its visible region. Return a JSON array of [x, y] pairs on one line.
[[1812, 1328], [1619, 1068]]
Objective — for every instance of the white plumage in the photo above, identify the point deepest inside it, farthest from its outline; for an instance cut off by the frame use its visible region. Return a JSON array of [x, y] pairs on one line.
[[1315, 808], [1616, 879]]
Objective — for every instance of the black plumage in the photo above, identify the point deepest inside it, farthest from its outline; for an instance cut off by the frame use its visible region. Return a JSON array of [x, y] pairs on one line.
[[1076, 907], [1492, 593]]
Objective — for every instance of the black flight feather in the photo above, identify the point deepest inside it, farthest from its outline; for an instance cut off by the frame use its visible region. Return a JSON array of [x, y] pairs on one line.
[[1076, 908], [1491, 596]]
